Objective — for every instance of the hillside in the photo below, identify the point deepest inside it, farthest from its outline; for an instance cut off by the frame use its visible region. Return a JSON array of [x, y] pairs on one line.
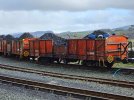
[[73, 35], [35, 34], [126, 30]]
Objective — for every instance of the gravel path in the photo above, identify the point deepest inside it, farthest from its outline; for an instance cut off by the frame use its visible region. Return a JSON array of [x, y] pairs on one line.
[[8, 92], [65, 70], [72, 83]]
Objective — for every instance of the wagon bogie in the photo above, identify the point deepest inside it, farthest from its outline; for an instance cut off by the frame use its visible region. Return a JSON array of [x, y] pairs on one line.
[[67, 60], [45, 60]]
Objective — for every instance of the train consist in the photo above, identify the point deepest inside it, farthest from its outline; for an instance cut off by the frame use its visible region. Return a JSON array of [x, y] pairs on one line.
[[94, 52]]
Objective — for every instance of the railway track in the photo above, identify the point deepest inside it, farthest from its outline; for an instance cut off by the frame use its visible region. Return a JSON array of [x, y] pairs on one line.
[[86, 67], [61, 89], [125, 84], [125, 71]]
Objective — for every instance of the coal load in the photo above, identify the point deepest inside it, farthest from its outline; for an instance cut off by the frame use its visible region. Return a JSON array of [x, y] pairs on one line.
[[51, 36], [9, 37], [97, 34], [26, 35], [2, 37]]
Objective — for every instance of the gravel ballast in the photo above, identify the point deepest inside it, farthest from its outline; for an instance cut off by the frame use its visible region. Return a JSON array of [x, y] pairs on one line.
[[8, 92], [71, 83], [72, 71]]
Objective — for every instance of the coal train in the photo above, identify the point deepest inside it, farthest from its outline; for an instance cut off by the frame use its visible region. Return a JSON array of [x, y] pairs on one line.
[[90, 52]]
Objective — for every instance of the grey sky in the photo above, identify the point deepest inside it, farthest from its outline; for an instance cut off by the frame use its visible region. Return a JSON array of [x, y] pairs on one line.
[[69, 5], [64, 15]]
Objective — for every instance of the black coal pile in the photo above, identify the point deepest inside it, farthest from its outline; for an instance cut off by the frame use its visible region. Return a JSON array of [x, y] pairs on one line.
[[2, 37], [9, 37], [51, 36], [95, 34], [26, 35], [99, 32]]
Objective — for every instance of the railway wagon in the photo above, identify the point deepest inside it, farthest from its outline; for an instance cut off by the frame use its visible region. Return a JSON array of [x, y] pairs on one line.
[[99, 52], [21, 47], [41, 49], [8, 48], [1, 46], [5, 47], [15, 47], [60, 52]]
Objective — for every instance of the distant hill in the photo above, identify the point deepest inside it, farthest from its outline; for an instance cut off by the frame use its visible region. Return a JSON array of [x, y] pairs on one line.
[[35, 34], [40, 33], [125, 30], [73, 35]]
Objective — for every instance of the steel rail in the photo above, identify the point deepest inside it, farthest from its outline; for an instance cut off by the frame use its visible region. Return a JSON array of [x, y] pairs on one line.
[[118, 83], [62, 89]]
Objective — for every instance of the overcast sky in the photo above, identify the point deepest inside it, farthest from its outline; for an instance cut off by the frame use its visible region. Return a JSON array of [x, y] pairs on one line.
[[64, 15]]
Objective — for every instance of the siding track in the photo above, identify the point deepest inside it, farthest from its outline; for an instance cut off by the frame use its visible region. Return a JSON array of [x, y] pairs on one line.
[[119, 83], [62, 89]]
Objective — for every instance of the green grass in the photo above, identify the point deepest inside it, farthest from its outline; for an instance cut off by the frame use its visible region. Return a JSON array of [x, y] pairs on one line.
[[74, 34], [132, 40], [121, 65]]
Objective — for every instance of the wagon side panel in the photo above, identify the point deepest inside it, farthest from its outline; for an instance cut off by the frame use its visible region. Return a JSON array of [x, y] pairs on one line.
[[90, 49], [72, 48], [60, 51], [117, 46], [31, 44], [81, 49]]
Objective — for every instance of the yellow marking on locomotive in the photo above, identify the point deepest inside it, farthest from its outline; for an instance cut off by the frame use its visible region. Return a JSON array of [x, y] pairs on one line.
[[110, 59], [26, 53]]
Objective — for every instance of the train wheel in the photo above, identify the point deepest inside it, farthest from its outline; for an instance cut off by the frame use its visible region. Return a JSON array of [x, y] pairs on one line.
[[125, 61], [65, 61], [44, 60], [84, 63], [59, 61], [109, 65]]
